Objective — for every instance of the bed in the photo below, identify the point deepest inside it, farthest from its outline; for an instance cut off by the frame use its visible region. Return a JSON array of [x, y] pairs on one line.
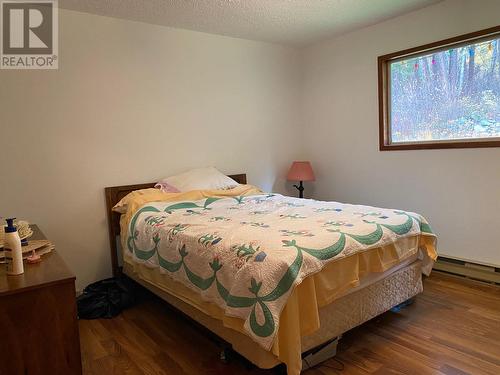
[[274, 276]]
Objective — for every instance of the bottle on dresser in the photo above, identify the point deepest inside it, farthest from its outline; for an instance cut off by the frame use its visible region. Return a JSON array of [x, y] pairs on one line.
[[12, 247]]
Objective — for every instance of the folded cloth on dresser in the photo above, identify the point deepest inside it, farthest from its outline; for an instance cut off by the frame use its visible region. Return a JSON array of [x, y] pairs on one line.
[[245, 251]]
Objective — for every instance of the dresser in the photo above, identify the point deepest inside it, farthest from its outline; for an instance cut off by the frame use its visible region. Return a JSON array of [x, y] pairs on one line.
[[38, 318]]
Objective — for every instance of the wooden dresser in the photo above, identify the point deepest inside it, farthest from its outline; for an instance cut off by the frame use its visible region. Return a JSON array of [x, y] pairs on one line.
[[38, 319]]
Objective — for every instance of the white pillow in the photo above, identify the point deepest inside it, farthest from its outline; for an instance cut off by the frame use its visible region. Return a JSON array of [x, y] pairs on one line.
[[200, 179]]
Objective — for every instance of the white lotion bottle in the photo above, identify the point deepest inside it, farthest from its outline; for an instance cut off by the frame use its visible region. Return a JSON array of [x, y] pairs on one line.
[[13, 252]]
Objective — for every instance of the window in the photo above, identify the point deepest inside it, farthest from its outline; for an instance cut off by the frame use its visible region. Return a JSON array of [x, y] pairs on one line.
[[442, 95]]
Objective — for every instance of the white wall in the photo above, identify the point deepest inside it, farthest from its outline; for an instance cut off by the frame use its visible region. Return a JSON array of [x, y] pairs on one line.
[[131, 103], [457, 190]]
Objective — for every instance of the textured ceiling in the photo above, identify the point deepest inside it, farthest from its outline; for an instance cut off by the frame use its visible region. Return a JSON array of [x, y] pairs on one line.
[[292, 22]]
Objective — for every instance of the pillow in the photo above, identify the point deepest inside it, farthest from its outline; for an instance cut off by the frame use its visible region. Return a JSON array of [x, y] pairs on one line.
[[199, 179], [166, 188], [122, 206]]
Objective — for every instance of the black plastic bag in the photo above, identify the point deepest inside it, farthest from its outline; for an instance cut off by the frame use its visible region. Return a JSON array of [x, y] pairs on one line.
[[105, 298]]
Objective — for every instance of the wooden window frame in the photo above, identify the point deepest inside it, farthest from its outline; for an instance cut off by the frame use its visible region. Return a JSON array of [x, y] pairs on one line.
[[383, 94]]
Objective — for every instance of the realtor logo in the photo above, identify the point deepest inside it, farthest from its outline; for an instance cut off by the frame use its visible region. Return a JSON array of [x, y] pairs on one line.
[[29, 37]]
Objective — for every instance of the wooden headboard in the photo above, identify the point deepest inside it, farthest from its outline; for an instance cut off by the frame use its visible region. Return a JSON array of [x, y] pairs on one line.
[[113, 195]]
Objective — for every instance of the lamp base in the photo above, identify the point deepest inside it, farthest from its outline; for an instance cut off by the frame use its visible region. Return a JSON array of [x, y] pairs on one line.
[[300, 188]]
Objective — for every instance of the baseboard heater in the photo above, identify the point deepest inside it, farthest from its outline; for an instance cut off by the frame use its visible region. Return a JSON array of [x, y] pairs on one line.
[[471, 270]]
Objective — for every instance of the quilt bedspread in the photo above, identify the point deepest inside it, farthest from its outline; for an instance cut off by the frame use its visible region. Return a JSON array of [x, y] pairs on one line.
[[246, 253]]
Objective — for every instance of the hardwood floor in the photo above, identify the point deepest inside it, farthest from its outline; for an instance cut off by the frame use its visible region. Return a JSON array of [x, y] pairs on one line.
[[452, 328]]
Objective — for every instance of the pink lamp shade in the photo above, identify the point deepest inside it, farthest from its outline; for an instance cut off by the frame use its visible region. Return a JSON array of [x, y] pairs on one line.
[[300, 171]]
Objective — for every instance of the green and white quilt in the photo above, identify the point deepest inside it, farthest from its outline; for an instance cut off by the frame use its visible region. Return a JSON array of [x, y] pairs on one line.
[[246, 253]]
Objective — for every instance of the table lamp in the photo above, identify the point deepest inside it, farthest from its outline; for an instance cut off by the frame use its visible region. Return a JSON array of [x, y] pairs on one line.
[[300, 171]]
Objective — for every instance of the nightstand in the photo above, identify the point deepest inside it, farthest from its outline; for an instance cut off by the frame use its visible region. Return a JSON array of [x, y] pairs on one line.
[[38, 318]]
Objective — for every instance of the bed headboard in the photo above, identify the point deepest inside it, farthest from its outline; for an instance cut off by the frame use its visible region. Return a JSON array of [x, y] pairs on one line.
[[113, 196]]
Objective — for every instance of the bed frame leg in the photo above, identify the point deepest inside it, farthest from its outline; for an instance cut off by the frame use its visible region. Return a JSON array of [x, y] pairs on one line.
[[225, 354]]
